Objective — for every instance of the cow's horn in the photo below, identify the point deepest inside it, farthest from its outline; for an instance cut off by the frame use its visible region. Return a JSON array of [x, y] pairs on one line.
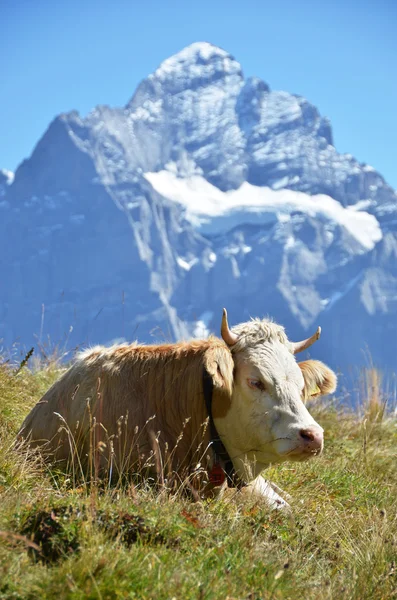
[[304, 344], [227, 336]]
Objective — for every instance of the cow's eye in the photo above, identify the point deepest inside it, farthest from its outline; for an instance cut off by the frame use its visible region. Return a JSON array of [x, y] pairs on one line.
[[255, 384]]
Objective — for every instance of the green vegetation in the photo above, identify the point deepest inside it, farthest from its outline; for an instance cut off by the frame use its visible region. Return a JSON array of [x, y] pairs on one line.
[[339, 541]]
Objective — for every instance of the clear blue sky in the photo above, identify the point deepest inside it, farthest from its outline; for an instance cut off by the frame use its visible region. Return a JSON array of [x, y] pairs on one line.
[[341, 55]]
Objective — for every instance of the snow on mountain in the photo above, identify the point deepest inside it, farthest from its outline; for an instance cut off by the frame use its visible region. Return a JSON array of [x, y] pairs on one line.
[[212, 211], [6, 179], [6, 176], [206, 190]]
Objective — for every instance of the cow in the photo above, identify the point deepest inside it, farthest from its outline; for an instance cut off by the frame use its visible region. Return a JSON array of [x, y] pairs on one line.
[[208, 412]]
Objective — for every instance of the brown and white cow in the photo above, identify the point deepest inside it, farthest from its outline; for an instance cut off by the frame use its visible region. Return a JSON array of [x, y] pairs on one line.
[[146, 408]]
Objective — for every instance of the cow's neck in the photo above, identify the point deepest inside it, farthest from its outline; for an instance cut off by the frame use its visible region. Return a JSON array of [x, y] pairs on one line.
[[222, 468]]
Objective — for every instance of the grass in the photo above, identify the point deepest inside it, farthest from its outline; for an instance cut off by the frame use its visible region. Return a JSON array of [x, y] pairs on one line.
[[340, 541]]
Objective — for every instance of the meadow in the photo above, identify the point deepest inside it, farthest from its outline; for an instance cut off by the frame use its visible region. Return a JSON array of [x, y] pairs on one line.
[[65, 539]]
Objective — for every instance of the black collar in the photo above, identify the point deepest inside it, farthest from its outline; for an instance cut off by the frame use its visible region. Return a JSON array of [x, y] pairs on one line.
[[223, 465]]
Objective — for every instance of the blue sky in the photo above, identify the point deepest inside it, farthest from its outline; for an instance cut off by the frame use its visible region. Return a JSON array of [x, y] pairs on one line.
[[340, 55]]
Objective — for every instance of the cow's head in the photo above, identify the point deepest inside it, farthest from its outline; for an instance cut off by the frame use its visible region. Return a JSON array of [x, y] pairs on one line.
[[267, 420]]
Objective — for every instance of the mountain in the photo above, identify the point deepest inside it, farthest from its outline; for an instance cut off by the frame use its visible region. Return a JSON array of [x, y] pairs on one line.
[[208, 189]]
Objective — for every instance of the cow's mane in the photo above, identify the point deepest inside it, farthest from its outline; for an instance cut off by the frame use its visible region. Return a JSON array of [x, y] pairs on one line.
[[257, 331], [118, 355]]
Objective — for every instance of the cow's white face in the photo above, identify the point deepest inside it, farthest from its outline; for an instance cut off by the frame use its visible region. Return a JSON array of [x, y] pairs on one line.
[[267, 421]]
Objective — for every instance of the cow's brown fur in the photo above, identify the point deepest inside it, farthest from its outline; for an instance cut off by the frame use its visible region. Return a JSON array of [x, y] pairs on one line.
[[135, 391]]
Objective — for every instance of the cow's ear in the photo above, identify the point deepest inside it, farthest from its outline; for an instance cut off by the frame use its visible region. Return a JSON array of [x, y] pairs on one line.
[[219, 364], [319, 379]]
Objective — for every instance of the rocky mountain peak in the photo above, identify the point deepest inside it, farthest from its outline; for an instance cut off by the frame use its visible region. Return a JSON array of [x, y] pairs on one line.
[[198, 57], [196, 67]]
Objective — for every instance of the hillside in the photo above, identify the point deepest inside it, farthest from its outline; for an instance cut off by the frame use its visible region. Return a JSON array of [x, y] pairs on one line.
[[67, 539]]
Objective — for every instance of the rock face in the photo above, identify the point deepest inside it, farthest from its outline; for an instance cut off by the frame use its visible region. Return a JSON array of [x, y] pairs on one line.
[[206, 190]]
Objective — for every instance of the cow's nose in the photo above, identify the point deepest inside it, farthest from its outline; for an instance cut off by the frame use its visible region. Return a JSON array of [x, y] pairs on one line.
[[312, 439]]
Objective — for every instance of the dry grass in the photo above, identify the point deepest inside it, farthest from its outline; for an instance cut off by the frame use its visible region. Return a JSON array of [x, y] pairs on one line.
[[374, 399], [61, 540]]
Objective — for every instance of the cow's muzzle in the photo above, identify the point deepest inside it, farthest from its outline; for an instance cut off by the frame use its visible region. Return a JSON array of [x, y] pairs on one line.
[[309, 443], [312, 439]]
